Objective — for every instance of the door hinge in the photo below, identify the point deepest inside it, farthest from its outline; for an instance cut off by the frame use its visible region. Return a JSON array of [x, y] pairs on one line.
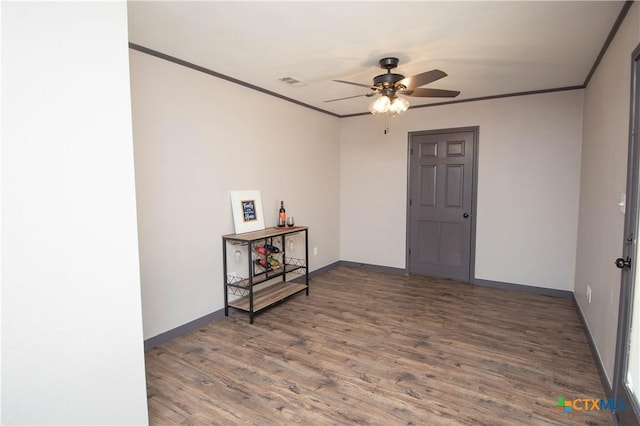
[[409, 252], [411, 151]]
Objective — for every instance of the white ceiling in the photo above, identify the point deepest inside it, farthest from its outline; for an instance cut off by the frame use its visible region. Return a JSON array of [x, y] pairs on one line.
[[486, 48]]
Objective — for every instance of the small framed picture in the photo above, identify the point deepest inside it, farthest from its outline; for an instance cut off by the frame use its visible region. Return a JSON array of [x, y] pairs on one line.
[[247, 211]]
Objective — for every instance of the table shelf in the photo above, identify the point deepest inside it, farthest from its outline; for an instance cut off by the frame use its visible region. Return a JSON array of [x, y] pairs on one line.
[[265, 276], [268, 296]]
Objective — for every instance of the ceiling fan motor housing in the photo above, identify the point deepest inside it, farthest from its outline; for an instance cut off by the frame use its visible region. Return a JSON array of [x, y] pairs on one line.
[[387, 80]]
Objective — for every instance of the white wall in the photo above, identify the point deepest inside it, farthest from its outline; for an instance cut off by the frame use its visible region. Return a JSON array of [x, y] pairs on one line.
[[72, 347], [198, 137], [528, 185], [603, 179]]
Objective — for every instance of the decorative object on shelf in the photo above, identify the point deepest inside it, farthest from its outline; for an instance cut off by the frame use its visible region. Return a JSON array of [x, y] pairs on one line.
[[273, 262], [263, 250], [272, 248], [282, 215], [290, 221], [263, 264], [247, 211]]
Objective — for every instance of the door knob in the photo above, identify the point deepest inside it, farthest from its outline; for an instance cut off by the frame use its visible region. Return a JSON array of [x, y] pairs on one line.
[[623, 263], [466, 215]]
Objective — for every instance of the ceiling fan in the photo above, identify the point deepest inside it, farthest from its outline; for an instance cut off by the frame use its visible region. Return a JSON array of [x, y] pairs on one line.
[[390, 85]]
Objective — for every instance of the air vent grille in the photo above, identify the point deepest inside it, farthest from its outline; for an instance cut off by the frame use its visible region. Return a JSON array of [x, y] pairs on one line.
[[292, 81]]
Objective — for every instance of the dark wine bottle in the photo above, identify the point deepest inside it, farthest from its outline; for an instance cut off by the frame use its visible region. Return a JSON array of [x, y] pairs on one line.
[[282, 215]]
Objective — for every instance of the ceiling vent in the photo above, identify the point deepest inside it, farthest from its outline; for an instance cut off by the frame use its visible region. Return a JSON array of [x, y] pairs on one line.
[[292, 81]]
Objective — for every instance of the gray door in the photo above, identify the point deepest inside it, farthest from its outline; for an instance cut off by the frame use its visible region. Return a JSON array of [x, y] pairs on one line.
[[439, 225]]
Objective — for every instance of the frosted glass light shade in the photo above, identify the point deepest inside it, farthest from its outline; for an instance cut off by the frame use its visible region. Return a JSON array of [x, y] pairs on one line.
[[398, 105], [380, 105]]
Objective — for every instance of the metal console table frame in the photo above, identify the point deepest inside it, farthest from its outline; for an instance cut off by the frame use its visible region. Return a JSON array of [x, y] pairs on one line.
[[254, 301]]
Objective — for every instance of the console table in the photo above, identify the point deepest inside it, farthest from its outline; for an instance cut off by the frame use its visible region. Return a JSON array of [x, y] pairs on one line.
[[267, 259]]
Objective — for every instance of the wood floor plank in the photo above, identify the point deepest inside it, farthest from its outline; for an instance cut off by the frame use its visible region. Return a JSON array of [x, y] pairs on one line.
[[370, 348]]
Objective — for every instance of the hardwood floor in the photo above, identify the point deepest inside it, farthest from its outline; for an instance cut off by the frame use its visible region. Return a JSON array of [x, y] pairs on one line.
[[372, 348]]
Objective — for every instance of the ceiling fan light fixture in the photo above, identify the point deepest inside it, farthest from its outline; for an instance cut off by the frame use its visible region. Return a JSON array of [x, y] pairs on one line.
[[398, 105], [388, 86], [380, 105]]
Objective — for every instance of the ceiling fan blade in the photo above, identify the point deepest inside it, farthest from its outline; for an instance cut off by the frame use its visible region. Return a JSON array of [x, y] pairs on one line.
[[368, 86], [421, 79], [348, 97], [430, 93]]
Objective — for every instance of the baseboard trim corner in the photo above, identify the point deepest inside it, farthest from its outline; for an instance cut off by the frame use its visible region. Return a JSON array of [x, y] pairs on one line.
[[181, 330], [594, 350]]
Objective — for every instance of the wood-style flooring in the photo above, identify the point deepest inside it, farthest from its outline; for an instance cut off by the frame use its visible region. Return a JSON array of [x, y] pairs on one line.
[[372, 348]]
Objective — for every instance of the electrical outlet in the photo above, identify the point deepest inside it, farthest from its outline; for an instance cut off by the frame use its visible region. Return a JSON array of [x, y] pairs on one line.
[[315, 251], [589, 294]]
